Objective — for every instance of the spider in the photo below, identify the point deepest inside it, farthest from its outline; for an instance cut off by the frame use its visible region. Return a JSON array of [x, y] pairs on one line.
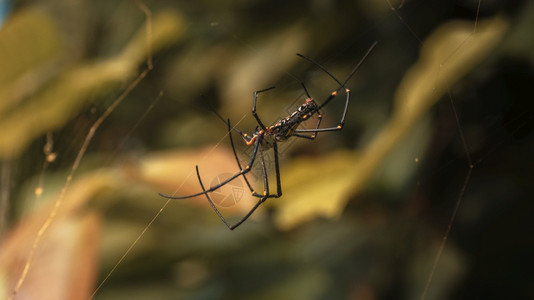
[[267, 137]]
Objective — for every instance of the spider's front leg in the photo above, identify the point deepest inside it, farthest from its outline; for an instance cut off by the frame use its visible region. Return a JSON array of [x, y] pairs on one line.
[[257, 148], [213, 188], [254, 100]]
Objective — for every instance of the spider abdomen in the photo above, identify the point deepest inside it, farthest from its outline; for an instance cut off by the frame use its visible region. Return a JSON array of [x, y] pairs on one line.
[[284, 128]]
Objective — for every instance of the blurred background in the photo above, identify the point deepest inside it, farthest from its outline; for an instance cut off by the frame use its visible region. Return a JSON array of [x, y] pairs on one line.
[[426, 192]]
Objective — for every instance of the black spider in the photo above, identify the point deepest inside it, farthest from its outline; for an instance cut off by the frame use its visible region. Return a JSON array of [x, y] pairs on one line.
[[265, 138]]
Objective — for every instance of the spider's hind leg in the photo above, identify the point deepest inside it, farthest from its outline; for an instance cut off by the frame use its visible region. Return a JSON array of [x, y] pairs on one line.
[[335, 93]]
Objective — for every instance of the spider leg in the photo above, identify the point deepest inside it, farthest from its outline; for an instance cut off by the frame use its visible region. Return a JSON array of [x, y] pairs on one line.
[[255, 98], [314, 131], [264, 169], [238, 162], [234, 226], [265, 177], [244, 136], [275, 149], [277, 171], [265, 192], [337, 128], [266, 188], [211, 202], [213, 188], [341, 85], [333, 95], [260, 201], [251, 211], [319, 117]]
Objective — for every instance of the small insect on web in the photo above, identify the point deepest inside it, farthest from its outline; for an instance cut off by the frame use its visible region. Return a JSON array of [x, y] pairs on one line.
[[265, 138]]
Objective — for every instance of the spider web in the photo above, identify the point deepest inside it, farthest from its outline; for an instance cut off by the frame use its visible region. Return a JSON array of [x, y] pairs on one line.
[[451, 223]]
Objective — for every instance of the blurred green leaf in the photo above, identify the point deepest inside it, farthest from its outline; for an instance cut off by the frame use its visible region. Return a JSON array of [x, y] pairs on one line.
[[51, 107]]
